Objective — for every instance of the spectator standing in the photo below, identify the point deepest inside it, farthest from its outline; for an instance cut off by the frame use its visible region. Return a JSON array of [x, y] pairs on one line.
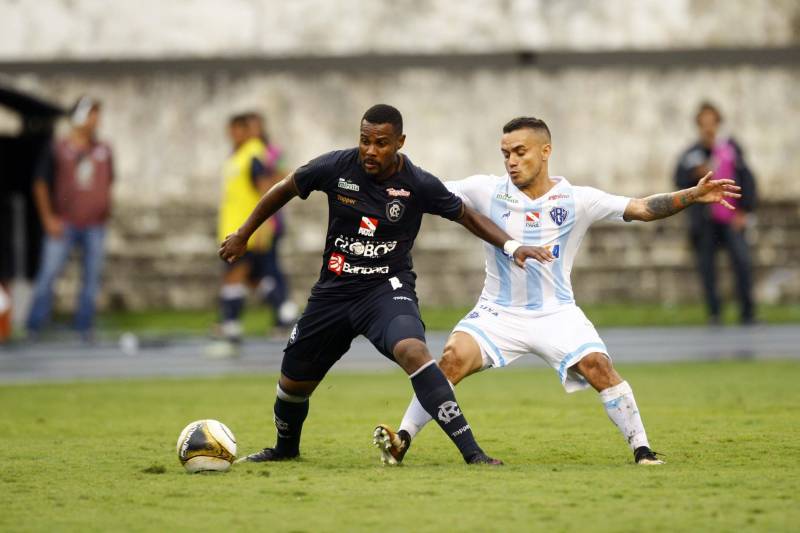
[[72, 192], [711, 227]]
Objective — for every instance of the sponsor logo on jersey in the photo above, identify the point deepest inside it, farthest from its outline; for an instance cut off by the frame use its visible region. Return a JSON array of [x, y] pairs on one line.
[[346, 200], [293, 335], [559, 215], [395, 210], [402, 193], [405, 298], [348, 185], [506, 198], [368, 226], [557, 197], [338, 266], [448, 411], [532, 219], [506, 214], [358, 247], [336, 263]]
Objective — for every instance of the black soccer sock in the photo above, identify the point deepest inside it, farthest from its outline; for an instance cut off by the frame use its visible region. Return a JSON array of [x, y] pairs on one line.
[[290, 413], [436, 396]]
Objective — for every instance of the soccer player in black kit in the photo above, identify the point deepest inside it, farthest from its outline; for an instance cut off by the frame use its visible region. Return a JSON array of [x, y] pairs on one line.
[[376, 198]]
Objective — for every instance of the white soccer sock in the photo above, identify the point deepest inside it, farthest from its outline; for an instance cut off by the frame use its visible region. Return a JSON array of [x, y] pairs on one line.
[[416, 417], [621, 408]]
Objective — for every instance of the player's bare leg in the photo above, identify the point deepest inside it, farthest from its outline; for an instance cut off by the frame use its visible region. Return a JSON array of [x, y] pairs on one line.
[[462, 357], [291, 409], [620, 404], [435, 398]]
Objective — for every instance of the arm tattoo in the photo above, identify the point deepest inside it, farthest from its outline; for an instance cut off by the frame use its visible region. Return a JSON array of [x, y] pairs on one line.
[[665, 205]]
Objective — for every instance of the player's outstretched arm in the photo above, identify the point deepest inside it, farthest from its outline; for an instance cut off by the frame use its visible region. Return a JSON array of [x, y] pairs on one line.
[[235, 244], [664, 205], [482, 227]]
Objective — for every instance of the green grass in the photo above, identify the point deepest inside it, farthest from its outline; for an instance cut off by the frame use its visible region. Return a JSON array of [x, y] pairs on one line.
[[256, 320], [100, 456]]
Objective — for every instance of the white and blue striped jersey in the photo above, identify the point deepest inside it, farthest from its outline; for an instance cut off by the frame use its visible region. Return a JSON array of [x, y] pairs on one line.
[[558, 220]]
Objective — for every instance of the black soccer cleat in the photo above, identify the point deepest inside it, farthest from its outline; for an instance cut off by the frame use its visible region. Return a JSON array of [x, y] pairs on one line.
[[267, 454], [481, 458], [645, 456], [393, 446]]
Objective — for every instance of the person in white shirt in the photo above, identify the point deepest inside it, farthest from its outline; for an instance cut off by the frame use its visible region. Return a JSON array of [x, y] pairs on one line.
[[532, 310]]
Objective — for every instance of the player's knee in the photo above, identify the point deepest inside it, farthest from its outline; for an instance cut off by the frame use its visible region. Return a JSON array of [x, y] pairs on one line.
[[455, 363], [411, 354], [296, 388], [598, 371]]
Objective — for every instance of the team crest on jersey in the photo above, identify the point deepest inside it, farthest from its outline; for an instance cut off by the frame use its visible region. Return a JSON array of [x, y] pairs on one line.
[[559, 215], [395, 210], [532, 219], [368, 226]]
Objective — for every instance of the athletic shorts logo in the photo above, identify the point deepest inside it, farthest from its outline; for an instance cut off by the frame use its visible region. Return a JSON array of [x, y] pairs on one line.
[[532, 219], [348, 185], [472, 315], [404, 298], [398, 192], [448, 411], [555, 250], [336, 263], [394, 210], [368, 226], [559, 215]]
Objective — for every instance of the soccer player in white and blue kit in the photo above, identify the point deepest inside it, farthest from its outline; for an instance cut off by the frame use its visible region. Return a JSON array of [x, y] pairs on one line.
[[533, 310]]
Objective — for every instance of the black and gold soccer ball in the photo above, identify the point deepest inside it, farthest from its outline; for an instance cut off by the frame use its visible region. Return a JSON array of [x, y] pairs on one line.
[[206, 445]]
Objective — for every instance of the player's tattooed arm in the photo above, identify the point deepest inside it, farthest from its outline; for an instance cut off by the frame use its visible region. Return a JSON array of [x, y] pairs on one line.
[[235, 244], [664, 205]]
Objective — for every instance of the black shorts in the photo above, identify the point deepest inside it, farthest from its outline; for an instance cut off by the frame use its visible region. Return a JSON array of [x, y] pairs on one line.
[[256, 260], [384, 314]]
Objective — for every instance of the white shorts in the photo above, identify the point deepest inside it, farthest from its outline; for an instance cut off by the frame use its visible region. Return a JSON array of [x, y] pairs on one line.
[[561, 337]]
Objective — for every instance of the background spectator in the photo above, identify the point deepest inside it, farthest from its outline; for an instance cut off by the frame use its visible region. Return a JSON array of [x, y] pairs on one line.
[[72, 191], [711, 227]]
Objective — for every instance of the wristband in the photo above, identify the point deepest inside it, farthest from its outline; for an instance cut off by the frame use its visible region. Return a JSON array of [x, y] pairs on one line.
[[510, 247]]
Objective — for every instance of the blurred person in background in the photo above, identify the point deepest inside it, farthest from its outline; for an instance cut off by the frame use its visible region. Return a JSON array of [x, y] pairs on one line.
[[72, 192], [274, 288], [245, 179], [712, 226]]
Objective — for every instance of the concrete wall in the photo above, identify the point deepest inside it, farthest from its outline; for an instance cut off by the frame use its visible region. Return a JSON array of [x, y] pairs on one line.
[[616, 126], [58, 29]]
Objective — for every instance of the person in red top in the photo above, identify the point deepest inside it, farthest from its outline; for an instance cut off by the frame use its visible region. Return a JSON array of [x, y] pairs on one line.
[[72, 191]]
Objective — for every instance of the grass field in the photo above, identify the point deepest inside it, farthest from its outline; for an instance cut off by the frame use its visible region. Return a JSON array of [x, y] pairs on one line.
[[100, 456], [442, 319]]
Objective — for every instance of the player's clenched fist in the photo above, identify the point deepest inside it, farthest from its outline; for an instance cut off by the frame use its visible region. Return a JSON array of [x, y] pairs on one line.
[[233, 247], [539, 253]]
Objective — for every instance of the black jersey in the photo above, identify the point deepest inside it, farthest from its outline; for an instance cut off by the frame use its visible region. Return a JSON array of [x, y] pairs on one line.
[[371, 225]]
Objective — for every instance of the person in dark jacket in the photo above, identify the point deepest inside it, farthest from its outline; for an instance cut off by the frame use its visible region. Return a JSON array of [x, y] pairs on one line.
[[711, 228]]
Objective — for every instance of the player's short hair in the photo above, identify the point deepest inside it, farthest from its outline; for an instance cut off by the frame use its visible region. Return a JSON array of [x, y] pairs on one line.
[[239, 120], [535, 124], [708, 106], [385, 114]]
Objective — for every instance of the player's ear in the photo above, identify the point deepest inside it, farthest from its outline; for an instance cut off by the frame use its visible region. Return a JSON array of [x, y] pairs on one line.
[[546, 150], [401, 140]]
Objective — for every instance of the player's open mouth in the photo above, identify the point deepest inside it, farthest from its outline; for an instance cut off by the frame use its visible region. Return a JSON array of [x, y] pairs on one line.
[[370, 164]]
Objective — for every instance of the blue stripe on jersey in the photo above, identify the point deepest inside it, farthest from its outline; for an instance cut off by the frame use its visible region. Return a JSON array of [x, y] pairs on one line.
[[499, 213], [563, 291], [570, 357], [533, 269], [479, 332]]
